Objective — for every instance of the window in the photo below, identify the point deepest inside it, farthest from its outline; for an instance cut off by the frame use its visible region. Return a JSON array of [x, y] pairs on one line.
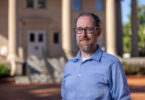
[[40, 37], [77, 4], [99, 5], [56, 38], [30, 3], [32, 37], [41, 3], [35, 4]]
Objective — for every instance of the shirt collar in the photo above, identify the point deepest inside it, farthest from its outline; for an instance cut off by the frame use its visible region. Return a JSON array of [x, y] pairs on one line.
[[78, 57], [95, 56]]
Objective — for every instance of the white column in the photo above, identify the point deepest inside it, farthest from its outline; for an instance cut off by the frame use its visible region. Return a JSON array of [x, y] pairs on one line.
[[12, 30], [66, 27], [110, 27], [134, 28]]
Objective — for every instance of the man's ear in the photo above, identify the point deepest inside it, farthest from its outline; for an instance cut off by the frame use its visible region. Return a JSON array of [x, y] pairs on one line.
[[99, 31]]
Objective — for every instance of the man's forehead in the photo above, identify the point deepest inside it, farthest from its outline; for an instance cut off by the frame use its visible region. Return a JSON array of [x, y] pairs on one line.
[[85, 18]]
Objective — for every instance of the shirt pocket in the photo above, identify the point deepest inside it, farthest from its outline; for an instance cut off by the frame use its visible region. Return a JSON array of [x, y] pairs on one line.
[[68, 79], [66, 75]]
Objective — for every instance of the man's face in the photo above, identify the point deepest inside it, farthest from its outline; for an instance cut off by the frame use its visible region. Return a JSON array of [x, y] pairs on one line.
[[87, 39]]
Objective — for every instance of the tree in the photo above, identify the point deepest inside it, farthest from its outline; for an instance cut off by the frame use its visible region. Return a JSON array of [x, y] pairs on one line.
[[127, 38], [141, 32], [141, 29]]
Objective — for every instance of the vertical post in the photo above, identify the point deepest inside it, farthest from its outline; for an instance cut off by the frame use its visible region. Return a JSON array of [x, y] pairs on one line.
[[134, 28], [66, 27], [110, 27], [119, 29], [12, 30]]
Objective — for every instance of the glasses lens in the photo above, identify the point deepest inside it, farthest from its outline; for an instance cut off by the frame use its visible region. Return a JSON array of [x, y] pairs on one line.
[[88, 30], [78, 30]]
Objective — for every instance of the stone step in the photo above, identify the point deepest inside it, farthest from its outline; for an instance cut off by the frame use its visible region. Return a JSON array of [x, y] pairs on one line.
[[22, 80]]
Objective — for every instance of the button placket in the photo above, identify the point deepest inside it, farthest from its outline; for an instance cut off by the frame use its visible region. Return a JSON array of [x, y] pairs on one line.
[[79, 71], [78, 75]]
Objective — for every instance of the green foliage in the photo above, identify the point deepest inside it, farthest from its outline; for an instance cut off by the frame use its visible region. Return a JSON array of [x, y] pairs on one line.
[[141, 14], [126, 38], [4, 70], [141, 28], [141, 32]]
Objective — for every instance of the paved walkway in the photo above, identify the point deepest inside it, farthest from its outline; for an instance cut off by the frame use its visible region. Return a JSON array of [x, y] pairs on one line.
[[52, 91], [137, 87]]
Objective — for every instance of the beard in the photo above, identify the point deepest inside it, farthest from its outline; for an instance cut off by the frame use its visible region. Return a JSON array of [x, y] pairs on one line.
[[86, 49], [88, 45]]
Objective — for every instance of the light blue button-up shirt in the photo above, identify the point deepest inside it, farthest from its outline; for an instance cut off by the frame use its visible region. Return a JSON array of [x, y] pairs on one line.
[[101, 77]]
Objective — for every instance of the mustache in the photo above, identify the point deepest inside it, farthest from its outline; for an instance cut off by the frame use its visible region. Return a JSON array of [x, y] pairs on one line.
[[84, 38]]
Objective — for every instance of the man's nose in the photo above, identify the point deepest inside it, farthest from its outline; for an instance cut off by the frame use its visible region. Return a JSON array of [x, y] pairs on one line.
[[84, 32]]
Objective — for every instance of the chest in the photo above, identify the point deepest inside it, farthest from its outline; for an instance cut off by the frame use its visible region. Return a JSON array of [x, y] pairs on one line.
[[88, 74]]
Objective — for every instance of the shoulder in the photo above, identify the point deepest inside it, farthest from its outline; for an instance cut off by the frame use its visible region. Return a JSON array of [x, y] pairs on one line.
[[106, 57], [70, 61], [68, 64], [112, 63]]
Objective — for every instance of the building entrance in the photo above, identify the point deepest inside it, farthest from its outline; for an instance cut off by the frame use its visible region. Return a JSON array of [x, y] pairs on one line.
[[36, 42]]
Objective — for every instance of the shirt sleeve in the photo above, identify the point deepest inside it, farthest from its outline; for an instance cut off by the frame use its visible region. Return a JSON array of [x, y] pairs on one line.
[[62, 89], [118, 83]]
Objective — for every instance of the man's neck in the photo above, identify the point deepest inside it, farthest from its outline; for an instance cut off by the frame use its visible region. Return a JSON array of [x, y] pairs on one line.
[[88, 54]]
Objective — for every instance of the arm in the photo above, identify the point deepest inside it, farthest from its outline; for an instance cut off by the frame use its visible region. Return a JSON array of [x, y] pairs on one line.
[[62, 89], [118, 83]]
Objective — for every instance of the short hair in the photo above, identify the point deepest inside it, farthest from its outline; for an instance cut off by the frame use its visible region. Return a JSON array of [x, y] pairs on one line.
[[94, 16]]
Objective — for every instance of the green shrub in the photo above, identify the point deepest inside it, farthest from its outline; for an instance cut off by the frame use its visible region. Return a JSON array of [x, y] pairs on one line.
[[4, 70]]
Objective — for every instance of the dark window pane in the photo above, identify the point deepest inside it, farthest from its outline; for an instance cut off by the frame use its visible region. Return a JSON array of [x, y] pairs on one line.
[[56, 38], [41, 3], [77, 4], [30, 3], [99, 5], [32, 37], [40, 37]]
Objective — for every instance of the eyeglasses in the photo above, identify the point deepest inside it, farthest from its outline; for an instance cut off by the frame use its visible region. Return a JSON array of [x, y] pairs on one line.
[[88, 30]]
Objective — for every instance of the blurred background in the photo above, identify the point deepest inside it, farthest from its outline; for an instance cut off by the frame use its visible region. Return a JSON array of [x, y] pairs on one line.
[[37, 38]]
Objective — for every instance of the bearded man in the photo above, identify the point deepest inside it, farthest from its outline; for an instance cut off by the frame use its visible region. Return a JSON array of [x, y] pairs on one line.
[[93, 74]]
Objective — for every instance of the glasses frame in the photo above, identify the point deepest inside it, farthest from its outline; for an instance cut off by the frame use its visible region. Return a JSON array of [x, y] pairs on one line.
[[88, 30]]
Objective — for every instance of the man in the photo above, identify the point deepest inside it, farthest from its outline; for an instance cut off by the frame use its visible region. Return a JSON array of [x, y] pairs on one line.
[[93, 74]]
